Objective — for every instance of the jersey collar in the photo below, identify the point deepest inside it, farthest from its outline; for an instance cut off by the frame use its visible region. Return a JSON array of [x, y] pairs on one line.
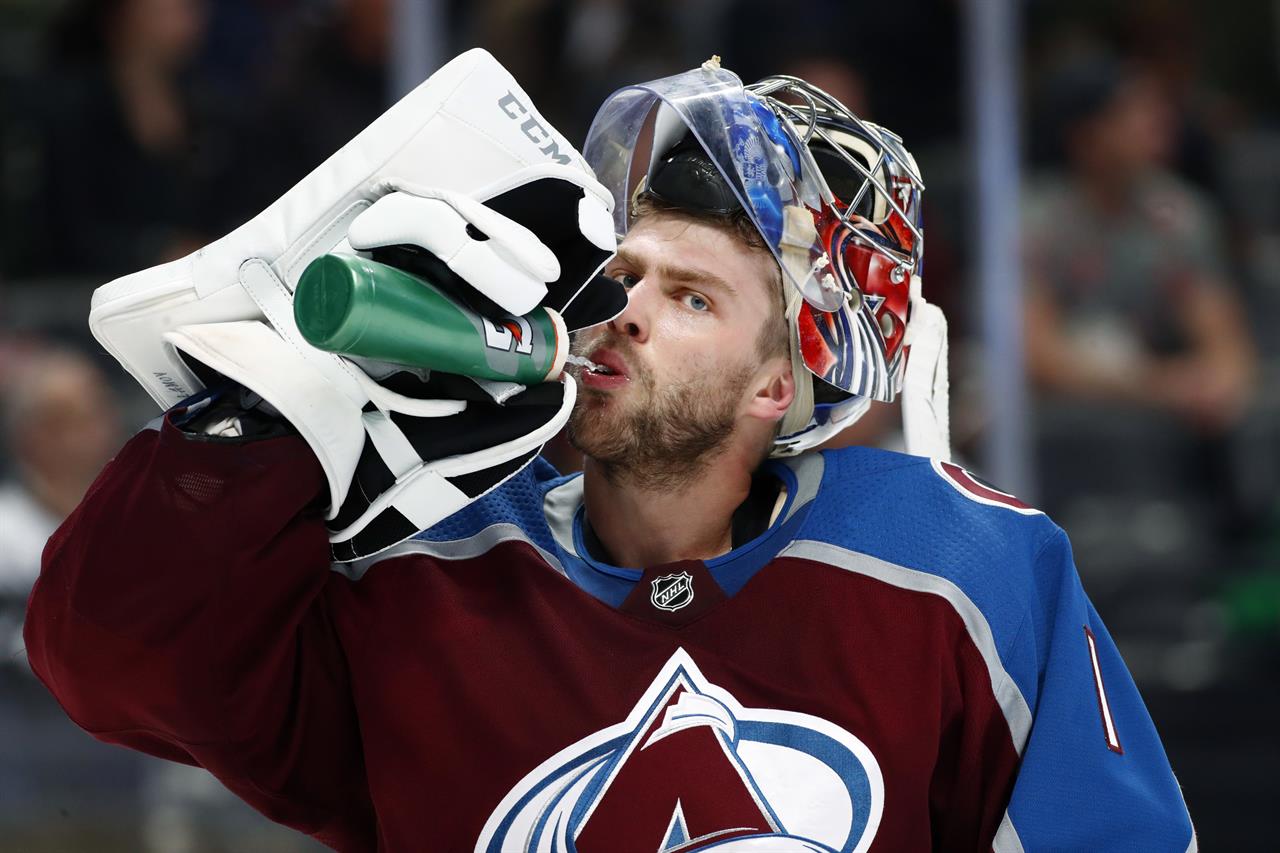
[[563, 509]]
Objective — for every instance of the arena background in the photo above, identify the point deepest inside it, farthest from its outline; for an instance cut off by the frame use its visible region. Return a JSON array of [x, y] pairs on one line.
[[136, 130]]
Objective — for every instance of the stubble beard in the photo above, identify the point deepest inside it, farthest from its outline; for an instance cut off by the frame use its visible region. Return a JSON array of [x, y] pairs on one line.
[[665, 436]]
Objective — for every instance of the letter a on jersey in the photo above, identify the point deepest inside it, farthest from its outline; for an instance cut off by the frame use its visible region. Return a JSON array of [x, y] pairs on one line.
[[691, 769]]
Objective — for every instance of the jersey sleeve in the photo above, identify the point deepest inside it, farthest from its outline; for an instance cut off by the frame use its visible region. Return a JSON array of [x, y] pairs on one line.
[[1093, 775], [181, 610]]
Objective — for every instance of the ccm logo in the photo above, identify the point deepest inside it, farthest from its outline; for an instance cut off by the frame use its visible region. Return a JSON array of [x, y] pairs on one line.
[[532, 128]]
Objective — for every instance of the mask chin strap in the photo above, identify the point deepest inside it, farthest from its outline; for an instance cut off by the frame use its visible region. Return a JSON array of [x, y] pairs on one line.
[[926, 419], [801, 410], [799, 233]]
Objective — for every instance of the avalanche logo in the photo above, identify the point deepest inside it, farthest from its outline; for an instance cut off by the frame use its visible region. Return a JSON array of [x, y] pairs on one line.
[[691, 769]]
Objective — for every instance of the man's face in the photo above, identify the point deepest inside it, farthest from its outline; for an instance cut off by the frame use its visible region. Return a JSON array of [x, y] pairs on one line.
[[72, 426], [683, 354], [1134, 132]]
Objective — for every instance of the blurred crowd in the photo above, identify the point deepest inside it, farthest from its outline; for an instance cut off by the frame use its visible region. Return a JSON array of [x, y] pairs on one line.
[[138, 130]]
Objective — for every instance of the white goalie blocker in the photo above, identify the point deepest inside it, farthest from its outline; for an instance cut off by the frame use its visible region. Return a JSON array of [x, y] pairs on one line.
[[421, 175]]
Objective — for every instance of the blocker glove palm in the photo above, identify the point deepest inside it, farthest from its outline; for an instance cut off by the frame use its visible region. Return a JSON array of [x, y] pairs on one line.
[[461, 182]]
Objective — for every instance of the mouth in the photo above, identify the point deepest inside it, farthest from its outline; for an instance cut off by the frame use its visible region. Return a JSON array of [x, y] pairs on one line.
[[607, 362], [604, 370]]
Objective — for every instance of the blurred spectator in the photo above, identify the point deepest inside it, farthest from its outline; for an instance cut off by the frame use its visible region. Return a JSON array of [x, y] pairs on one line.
[[1163, 36], [61, 427], [835, 75], [903, 50], [1128, 293], [328, 82], [127, 159], [1129, 299], [570, 54]]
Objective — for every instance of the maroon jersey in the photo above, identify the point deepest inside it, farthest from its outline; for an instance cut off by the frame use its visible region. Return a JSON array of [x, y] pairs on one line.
[[489, 686]]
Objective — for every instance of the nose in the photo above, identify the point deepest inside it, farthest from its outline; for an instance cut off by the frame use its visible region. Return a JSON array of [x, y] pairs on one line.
[[635, 319]]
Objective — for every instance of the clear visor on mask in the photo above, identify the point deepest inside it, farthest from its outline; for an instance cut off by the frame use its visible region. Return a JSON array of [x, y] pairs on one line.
[[772, 175]]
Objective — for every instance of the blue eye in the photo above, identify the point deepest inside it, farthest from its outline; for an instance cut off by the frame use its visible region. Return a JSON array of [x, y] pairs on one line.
[[626, 279], [696, 302]]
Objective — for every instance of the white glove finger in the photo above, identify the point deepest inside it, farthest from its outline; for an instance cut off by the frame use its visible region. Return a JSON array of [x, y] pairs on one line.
[[509, 265], [595, 220], [595, 211]]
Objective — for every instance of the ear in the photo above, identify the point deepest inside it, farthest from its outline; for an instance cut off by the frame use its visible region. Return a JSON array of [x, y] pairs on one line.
[[775, 388]]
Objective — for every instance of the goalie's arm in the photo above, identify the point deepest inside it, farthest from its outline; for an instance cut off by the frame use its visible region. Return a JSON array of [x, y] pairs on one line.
[[181, 610]]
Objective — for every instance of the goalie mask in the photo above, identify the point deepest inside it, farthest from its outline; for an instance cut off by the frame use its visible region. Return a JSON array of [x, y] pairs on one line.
[[836, 200]]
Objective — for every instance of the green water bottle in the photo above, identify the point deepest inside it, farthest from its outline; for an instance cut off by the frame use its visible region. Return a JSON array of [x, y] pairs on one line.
[[354, 306]]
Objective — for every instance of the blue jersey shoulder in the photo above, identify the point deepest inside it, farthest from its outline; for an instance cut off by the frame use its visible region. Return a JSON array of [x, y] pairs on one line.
[[922, 513], [938, 519], [517, 502]]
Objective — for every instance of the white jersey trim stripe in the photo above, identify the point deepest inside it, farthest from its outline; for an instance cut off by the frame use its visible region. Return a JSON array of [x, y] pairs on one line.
[[1104, 705], [808, 469], [977, 498], [1006, 840], [1014, 705], [559, 506], [454, 549]]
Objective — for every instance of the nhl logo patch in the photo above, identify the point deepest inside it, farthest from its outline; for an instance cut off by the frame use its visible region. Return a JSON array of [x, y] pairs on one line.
[[672, 592]]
